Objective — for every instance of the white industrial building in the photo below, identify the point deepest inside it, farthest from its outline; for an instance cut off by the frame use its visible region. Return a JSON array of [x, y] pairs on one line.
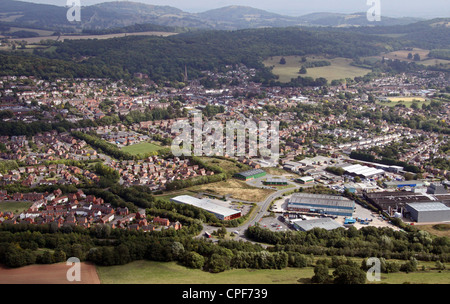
[[221, 212], [324, 223], [363, 171]]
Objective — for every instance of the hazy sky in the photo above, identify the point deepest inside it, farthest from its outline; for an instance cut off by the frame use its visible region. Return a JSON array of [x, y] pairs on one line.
[[391, 8]]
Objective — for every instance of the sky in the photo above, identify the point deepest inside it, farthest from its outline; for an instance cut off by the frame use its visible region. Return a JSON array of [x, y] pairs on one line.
[[389, 8]]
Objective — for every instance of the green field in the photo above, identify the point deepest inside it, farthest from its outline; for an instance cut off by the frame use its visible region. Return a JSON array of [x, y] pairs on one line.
[[141, 148], [229, 166], [340, 68], [15, 207], [407, 101], [149, 272]]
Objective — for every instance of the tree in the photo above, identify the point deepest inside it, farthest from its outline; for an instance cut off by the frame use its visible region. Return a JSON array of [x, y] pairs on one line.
[[410, 56], [193, 260], [303, 70], [321, 275], [347, 274], [416, 57], [282, 60], [218, 263]]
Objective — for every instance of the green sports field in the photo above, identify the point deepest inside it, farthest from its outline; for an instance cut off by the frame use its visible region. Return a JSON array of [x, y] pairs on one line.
[[141, 148]]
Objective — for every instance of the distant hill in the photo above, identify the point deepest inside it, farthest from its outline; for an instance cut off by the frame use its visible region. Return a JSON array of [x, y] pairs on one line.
[[350, 20], [240, 17], [124, 13]]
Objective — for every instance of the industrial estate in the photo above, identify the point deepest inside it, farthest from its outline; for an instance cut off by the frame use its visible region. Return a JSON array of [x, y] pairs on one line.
[[90, 121]]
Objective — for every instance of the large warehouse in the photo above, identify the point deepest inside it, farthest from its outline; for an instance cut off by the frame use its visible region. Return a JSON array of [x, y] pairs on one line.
[[221, 212], [250, 174], [363, 171], [321, 203], [324, 223], [428, 212]]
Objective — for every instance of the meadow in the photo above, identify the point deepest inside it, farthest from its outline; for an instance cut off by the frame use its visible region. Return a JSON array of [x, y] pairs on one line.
[[406, 101], [150, 272], [340, 68]]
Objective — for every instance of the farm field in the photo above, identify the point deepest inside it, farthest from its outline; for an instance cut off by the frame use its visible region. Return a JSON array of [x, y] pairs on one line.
[[15, 207], [82, 37], [141, 148], [403, 54], [340, 68], [47, 274], [150, 272]]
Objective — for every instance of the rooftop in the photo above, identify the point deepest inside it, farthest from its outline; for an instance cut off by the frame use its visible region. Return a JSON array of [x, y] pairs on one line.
[[325, 223], [204, 203], [428, 206], [321, 199]]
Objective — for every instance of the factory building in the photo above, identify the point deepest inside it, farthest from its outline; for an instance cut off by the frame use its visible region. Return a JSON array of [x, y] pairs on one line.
[[428, 212], [250, 174], [221, 212], [321, 204], [363, 171], [275, 181], [436, 189], [402, 184], [324, 223], [305, 180]]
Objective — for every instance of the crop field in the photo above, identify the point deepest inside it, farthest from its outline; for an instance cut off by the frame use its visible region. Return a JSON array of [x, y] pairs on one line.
[[35, 40], [340, 68], [47, 274], [141, 148]]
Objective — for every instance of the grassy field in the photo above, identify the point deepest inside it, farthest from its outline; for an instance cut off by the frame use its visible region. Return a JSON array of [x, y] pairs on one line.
[[141, 148], [172, 194], [15, 207], [340, 68], [278, 171], [149, 272], [239, 190], [229, 166], [407, 101], [438, 230]]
